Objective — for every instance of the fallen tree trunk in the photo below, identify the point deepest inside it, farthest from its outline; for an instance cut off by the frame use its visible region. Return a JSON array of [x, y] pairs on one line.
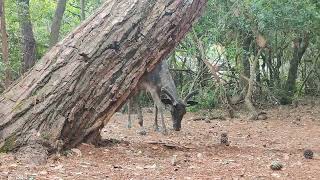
[[73, 91]]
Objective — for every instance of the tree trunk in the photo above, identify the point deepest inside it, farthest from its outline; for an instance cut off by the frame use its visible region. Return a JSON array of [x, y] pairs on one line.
[[28, 41], [245, 63], [5, 45], [83, 12], [246, 55], [73, 91], [251, 83], [56, 23], [299, 47]]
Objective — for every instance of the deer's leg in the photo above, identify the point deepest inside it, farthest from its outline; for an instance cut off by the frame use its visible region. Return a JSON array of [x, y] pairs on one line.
[[160, 107], [140, 117], [155, 125], [129, 104], [142, 130]]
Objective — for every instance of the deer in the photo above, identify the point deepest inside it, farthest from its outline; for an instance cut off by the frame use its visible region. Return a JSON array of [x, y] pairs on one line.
[[159, 82]]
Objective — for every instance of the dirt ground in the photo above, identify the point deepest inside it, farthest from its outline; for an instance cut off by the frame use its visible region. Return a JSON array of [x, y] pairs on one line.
[[193, 153]]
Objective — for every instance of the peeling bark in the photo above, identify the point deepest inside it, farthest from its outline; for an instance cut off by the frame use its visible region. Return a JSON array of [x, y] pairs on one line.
[[73, 91]]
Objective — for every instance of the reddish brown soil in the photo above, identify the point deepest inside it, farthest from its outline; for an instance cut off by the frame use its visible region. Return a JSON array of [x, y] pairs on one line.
[[199, 154]]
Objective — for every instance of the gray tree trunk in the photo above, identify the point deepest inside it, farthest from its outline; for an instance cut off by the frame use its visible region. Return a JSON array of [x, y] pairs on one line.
[[73, 91], [300, 45], [56, 23], [83, 12], [5, 45], [28, 40]]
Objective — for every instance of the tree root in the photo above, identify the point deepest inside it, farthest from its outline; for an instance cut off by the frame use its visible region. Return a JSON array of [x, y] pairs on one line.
[[32, 154]]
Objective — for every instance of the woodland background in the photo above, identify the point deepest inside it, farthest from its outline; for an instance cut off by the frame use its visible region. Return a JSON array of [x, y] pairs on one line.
[[274, 42]]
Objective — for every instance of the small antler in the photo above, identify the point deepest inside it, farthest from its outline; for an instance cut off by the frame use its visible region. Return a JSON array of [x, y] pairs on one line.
[[165, 91], [190, 95]]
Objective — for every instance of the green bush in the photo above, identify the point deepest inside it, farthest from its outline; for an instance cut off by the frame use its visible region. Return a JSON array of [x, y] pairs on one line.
[[207, 99]]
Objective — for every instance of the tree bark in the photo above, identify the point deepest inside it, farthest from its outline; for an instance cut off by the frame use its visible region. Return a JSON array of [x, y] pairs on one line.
[[56, 23], [28, 40], [251, 83], [73, 91], [299, 47], [245, 63], [246, 55], [5, 45]]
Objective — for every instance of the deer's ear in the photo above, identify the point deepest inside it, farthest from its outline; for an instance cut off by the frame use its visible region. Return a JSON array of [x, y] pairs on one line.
[[166, 101], [192, 103]]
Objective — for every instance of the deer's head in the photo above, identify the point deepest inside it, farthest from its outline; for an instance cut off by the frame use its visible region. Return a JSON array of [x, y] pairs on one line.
[[178, 106]]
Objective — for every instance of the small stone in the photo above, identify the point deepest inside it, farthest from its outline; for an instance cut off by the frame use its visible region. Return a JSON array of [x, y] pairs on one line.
[[286, 157], [275, 175], [13, 165], [276, 166], [174, 160], [85, 163], [77, 152], [31, 177], [43, 172], [150, 166], [262, 117], [199, 155], [59, 167], [226, 162], [308, 154], [155, 147]]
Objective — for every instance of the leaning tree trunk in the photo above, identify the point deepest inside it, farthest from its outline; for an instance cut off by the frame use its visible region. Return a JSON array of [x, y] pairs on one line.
[[73, 91]]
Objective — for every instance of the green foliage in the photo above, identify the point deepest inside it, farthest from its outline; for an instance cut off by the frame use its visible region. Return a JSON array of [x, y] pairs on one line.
[[41, 12], [207, 99]]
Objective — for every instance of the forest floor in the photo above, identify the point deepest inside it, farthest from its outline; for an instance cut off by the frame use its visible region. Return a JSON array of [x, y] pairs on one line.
[[193, 153]]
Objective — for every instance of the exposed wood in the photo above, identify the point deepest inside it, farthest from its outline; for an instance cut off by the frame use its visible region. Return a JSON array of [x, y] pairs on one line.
[[74, 90]]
